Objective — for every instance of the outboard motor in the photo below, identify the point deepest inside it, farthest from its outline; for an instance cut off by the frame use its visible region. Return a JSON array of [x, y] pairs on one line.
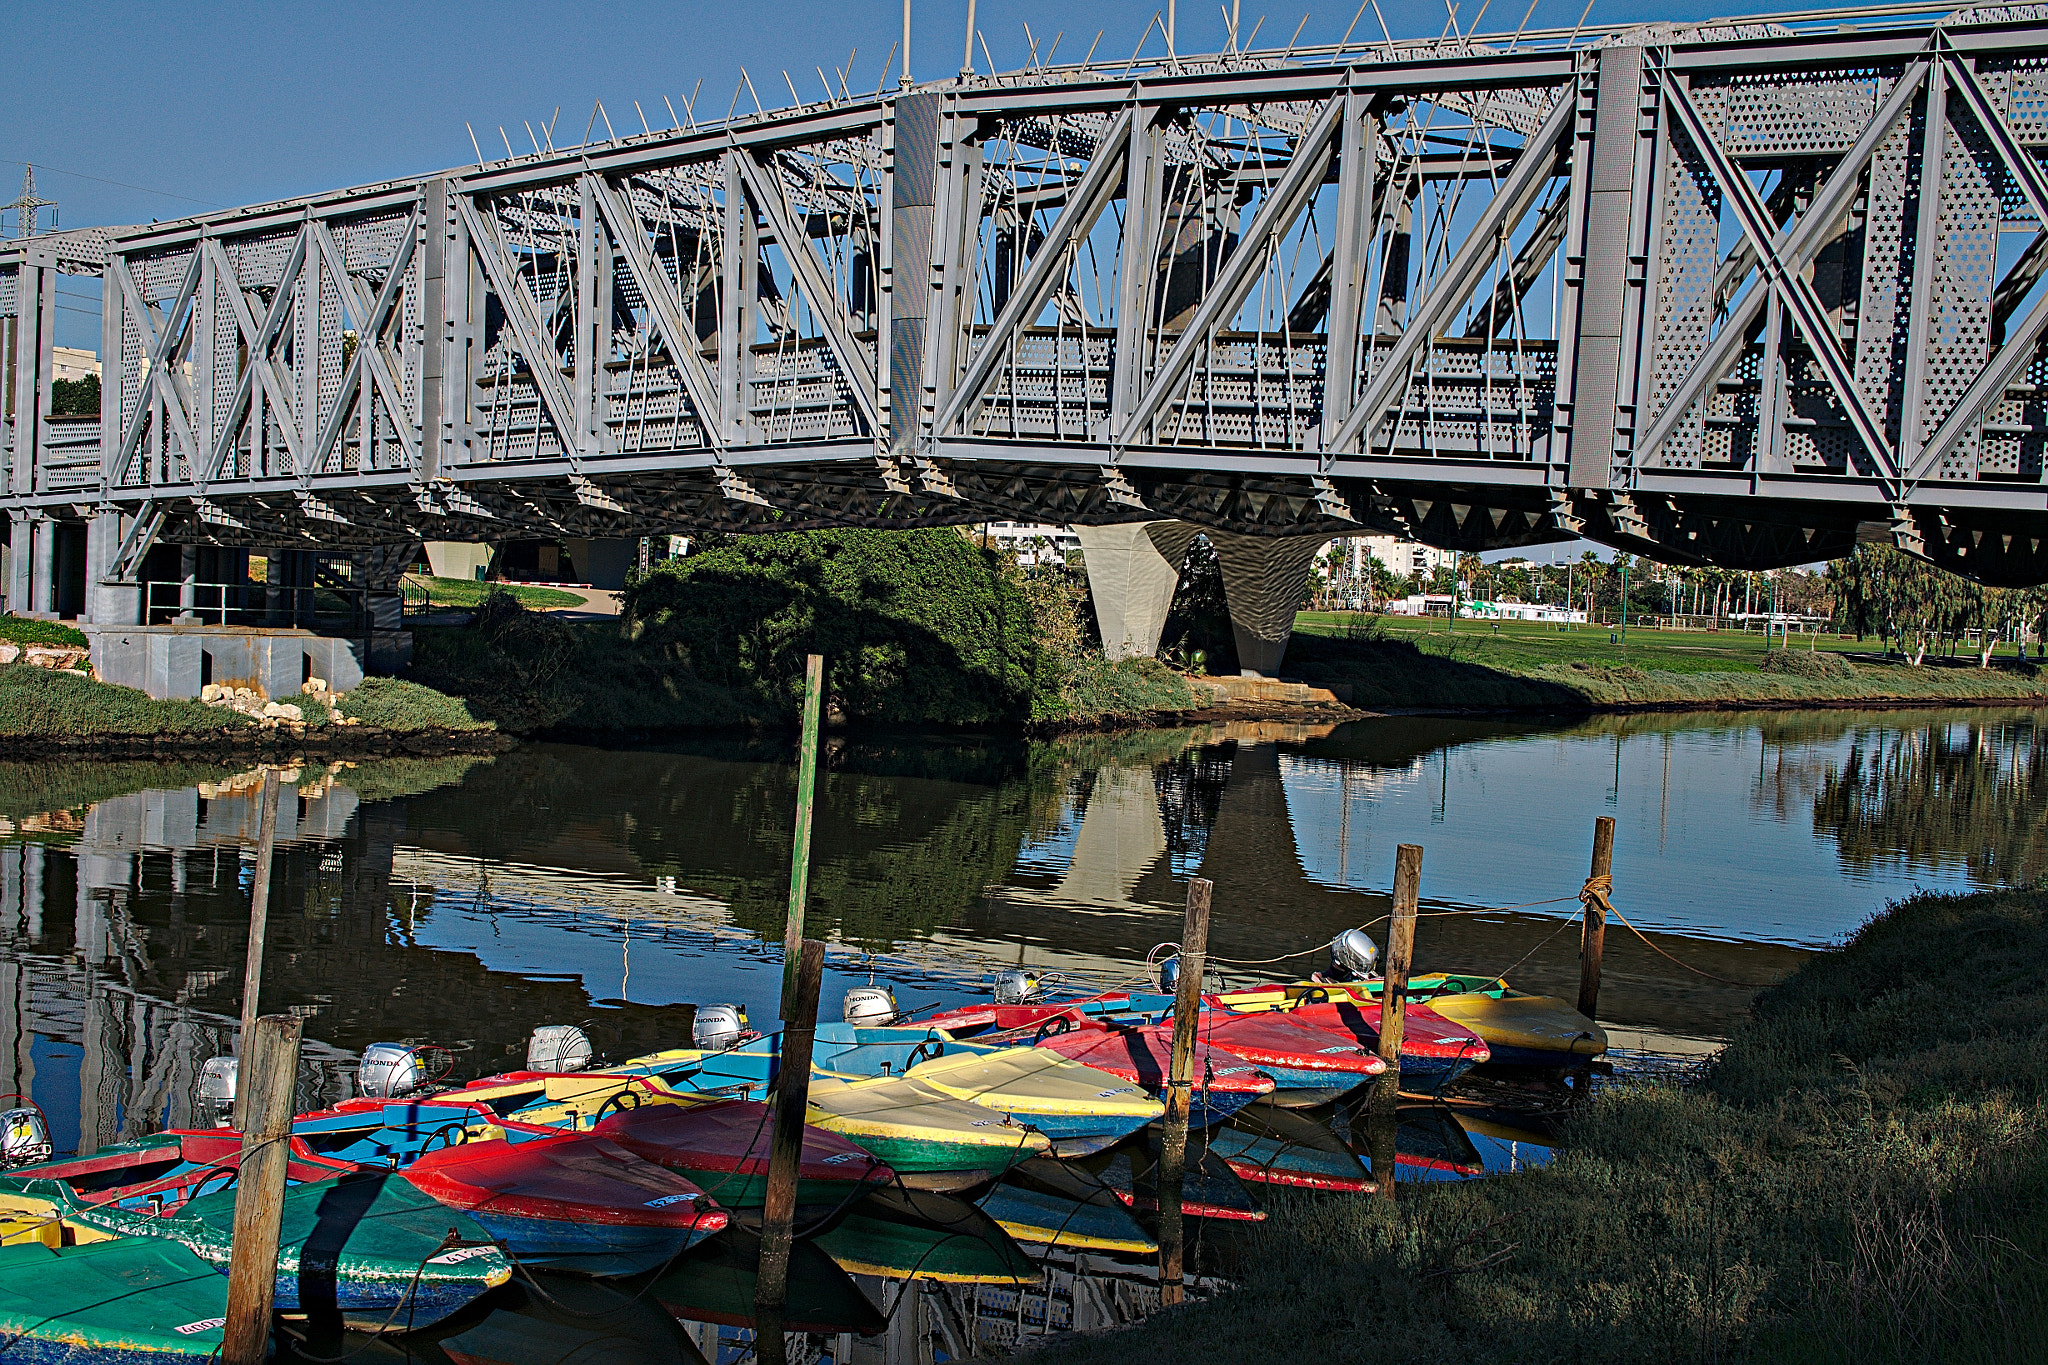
[[718, 1027], [558, 1047], [870, 1007], [1354, 956], [389, 1070], [24, 1137], [1169, 975], [217, 1077], [1015, 986]]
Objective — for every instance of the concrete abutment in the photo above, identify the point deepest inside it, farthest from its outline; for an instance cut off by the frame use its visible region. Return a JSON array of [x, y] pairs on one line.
[[1134, 567]]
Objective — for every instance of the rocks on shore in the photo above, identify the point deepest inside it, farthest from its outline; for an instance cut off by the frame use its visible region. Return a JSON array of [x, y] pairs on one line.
[[269, 714], [43, 656]]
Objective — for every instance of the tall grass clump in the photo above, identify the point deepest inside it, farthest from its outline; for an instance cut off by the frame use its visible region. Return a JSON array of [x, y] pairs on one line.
[[1858, 1178]]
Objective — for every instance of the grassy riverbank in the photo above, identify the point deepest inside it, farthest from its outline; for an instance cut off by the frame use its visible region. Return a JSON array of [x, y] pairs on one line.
[[49, 711], [1858, 1178], [1400, 662]]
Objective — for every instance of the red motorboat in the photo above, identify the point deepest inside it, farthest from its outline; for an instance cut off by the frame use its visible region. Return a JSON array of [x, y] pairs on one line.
[[1434, 1050], [571, 1202], [1307, 1066], [723, 1144]]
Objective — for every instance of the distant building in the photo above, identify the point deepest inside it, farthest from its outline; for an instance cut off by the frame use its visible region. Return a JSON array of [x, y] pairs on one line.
[[1032, 542], [1439, 604], [73, 362], [1405, 558]]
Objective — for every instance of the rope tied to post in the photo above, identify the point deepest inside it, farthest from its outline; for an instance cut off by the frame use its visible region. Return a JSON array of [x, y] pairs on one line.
[[1595, 896]]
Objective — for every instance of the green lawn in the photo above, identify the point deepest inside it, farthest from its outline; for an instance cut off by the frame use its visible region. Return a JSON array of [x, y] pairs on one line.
[[1529, 644], [422, 591], [1410, 661]]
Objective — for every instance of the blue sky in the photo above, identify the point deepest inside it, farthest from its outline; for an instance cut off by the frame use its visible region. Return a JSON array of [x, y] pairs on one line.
[[234, 103]]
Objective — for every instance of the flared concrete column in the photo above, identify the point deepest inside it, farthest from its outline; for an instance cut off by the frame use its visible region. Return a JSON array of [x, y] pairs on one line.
[[1132, 571], [43, 566], [21, 555], [1262, 581], [107, 602]]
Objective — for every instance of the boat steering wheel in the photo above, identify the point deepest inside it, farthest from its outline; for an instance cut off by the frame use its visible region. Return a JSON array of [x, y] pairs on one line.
[[442, 1136], [1053, 1028], [930, 1050], [620, 1101]]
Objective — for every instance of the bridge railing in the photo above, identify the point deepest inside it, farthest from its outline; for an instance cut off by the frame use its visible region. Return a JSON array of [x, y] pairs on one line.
[[327, 610]]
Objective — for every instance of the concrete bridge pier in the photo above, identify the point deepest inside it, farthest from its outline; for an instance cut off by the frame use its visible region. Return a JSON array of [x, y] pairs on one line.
[[1133, 569], [109, 601], [1262, 580]]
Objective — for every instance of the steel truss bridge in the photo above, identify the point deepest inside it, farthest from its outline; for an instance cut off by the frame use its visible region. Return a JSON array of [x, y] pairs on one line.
[[1740, 293]]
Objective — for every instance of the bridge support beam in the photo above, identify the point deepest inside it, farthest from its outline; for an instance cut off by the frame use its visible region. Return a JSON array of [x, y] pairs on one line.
[[1133, 569], [1262, 580]]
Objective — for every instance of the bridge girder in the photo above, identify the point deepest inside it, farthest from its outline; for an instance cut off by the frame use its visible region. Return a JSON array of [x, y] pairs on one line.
[[1735, 294]]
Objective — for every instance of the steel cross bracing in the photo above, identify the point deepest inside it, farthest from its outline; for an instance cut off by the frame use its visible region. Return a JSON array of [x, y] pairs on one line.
[[1738, 293]]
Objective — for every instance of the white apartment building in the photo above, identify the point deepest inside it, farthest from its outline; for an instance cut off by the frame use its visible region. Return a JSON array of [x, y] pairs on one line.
[[1407, 558], [1032, 542], [73, 362]]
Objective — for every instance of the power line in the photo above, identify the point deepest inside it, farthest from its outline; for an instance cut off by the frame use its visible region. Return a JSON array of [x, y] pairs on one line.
[[100, 179]]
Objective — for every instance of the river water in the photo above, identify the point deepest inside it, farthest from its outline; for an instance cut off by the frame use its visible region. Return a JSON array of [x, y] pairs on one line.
[[461, 902]]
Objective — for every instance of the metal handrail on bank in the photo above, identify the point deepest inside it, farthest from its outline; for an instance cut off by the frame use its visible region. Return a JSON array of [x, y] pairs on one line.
[[337, 611]]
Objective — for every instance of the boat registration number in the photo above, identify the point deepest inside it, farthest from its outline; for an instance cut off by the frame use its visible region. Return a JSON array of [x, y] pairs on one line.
[[193, 1329], [668, 1199]]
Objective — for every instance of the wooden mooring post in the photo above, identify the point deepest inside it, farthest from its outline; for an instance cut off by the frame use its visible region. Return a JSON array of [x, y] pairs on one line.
[[792, 1102], [800, 852], [1180, 1080], [1385, 1121], [1593, 930], [270, 1073], [259, 918]]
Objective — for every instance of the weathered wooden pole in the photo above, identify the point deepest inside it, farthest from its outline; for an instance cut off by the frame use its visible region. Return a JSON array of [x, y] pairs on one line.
[[792, 1102], [270, 1072], [1593, 930], [800, 854], [259, 916], [1180, 1080], [1394, 1014]]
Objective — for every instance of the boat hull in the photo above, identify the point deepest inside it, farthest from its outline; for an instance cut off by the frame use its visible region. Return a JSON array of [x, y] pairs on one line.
[[126, 1302], [571, 1202], [588, 1249], [364, 1248]]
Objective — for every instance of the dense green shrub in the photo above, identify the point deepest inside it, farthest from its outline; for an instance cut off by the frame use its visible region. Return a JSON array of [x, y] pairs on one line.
[[917, 627], [508, 663]]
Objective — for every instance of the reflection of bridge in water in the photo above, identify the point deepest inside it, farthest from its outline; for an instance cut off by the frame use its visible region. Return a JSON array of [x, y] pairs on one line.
[[124, 924]]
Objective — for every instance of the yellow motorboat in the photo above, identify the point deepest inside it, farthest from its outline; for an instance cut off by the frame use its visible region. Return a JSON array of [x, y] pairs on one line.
[[1069, 1101], [931, 1139]]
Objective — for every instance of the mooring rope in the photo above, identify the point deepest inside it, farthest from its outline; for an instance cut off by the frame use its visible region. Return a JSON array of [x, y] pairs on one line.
[[1595, 895]]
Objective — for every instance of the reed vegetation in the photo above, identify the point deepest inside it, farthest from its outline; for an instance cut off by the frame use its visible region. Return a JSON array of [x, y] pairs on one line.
[[1859, 1177]]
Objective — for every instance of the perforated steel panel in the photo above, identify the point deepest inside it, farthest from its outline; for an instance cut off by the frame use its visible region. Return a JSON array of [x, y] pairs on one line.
[[1964, 263], [1780, 116], [1890, 204], [1688, 259]]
